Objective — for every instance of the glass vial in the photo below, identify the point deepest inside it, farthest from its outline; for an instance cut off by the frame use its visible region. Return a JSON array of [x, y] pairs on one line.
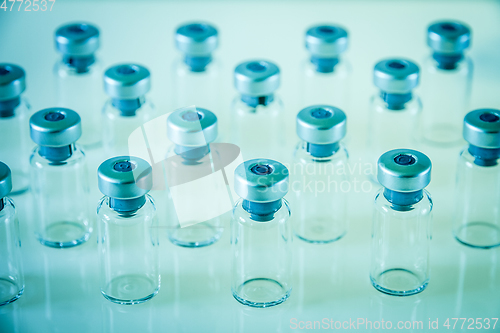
[[127, 231], [127, 107], [191, 131], [394, 110], [14, 120], [59, 179], [196, 73], [477, 219], [320, 210], [78, 77], [326, 74], [261, 234], [446, 81], [401, 224], [257, 115], [11, 269]]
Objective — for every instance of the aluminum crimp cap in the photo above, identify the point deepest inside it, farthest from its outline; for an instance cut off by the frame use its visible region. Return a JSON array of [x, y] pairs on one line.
[[261, 180], [404, 170], [127, 81], [125, 177], [257, 78], [5, 180], [448, 37], [197, 39], [482, 128], [321, 124], [326, 41], [192, 127], [55, 127], [12, 81], [77, 39], [396, 76]]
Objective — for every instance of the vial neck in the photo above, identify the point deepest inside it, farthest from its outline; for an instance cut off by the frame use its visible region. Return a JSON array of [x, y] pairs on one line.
[[485, 156], [402, 200], [56, 154], [80, 63], [262, 211], [395, 101], [192, 154], [324, 65], [447, 61], [254, 101], [7, 108], [128, 107], [127, 206], [319, 151], [197, 63]]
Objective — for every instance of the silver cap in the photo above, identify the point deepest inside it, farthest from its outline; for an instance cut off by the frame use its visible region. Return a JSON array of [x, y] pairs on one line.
[[125, 177], [396, 76], [5, 180], [196, 39], [257, 78], [321, 124], [482, 128], [192, 127], [404, 170], [261, 180], [77, 39], [448, 37], [326, 41], [12, 81], [55, 127], [127, 81]]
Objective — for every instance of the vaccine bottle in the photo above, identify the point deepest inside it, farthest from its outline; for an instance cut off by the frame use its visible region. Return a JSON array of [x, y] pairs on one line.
[[78, 78], [257, 114], [446, 83], [14, 125], [477, 217], [127, 231], [11, 269], [59, 179], [326, 74], [401, 224], [319, 175], [394, 110], [192, 131], [261, 234], [127, 107]]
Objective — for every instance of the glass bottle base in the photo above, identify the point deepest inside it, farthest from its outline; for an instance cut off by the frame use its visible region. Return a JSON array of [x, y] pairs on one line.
[[261, 293], [317, 236], [64, 234], [130, 289], [9, 291], [399, 282], [198, 235], [481, 235]]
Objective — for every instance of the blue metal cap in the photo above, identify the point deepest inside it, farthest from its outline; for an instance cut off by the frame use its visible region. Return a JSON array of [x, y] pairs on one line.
[[326, 41], [396, 76], [196, 39], [127, 81], [321, 124], [448, 37], [12, 81], [55, 127], [77, 39], [5, 180], [482, 128], [257, 78], [192, 127]]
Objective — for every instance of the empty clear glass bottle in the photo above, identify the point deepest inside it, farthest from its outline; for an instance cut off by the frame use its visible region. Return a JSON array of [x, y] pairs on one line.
[[14, 129], [257, 115], [446, 82], [318, 175], [59, 179], [261, 234], [325, 74], [127, 109], [127, 231], [395, 110], [477, 218], [196, 73], [401, 224], [79, 76], [191, 131], [11, 268]]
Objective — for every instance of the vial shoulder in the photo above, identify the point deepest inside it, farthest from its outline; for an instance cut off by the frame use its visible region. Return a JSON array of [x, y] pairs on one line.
[[62, 70], [9, 210], [273, 108], [378, 105], [423, 207], [300, 155]]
